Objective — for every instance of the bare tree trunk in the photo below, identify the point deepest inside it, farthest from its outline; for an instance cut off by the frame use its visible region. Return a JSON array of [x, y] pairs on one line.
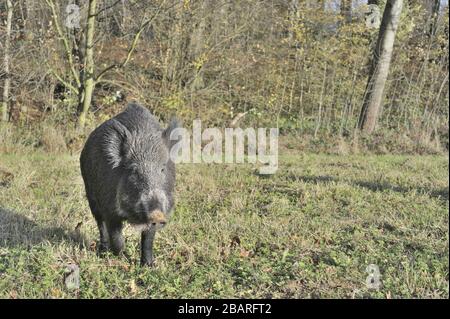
[[319, 113], [177, 56], [87, 81], [293, 17], [346, 10], [197, 45], [380, 66], [434, 8], [7, 60]]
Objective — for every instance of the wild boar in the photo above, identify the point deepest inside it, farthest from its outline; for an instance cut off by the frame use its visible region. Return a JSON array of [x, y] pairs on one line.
[[129, 176]]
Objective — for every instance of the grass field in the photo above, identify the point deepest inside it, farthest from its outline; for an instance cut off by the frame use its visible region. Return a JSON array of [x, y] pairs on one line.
[[309, 231]]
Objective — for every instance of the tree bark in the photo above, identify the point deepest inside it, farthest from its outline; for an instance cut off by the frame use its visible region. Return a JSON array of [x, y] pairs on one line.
[[7, 61], [87, 79], [433, 15], [293, 17], [197, 44], [346, 10], [380, 67]]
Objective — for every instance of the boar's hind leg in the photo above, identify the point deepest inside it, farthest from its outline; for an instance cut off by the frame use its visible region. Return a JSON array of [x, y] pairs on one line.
[[147, 246], [115, 237], [103, 246]]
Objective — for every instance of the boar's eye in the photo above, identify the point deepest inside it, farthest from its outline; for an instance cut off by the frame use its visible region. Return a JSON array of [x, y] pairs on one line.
[[132, 178], [133, 168], [163, 170]]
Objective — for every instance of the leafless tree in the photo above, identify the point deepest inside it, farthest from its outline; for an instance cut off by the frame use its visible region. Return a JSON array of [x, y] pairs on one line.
[[382, 55], [7, 60]]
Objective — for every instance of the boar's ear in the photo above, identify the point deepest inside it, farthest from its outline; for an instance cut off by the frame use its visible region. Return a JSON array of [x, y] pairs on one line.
[[117, 143], [174, 124]]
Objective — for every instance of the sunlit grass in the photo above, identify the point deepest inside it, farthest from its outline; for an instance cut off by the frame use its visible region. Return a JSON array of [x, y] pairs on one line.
[[308, 231]]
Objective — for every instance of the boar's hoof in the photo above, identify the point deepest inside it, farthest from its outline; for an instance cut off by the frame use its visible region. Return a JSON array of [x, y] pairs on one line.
[[147, 262]]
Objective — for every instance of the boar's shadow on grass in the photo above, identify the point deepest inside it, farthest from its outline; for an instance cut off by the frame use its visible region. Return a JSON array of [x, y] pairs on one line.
[[17, 230]]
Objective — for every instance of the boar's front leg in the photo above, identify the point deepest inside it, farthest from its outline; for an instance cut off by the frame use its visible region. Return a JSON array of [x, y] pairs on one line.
[[103, 237], [147, 237], [115, 237]]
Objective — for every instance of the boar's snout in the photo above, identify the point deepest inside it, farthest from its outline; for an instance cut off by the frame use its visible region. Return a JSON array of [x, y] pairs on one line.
[[157, 218]]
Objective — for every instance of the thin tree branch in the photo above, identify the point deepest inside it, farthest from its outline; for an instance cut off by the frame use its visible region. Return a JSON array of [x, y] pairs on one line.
[[63, 38], [132, 47], [60, 79], [106, 8]]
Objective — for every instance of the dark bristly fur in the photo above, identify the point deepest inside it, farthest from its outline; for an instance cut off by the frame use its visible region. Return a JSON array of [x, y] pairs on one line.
[[129, 176]]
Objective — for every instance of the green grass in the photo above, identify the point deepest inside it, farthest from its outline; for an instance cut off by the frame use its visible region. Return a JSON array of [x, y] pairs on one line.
[[309, 231]]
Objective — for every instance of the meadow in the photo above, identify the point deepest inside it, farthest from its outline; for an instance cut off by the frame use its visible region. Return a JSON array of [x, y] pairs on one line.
[[309, 231], [358, 90]]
